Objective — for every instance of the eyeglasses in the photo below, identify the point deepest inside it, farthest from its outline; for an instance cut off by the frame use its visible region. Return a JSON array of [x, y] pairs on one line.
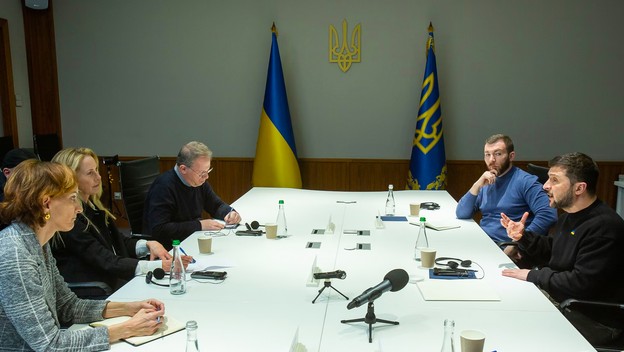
[[203, 174]]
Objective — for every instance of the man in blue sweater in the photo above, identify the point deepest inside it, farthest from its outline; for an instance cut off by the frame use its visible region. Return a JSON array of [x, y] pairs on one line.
[[174, 203], [504, 188]]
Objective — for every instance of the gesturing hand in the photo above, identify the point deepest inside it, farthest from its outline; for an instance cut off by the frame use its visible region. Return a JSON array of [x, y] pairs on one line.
[[515, 229]]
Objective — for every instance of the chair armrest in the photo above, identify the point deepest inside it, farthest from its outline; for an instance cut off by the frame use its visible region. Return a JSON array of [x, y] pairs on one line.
[[141, 236], [92, 284], [505, 244], [571, 301]]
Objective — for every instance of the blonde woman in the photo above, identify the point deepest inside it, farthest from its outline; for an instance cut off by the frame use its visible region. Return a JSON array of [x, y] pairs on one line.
[[40, 199], [95, 250]]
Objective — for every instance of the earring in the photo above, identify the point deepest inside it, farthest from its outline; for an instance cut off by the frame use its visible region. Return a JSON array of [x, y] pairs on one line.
[[46, 217]]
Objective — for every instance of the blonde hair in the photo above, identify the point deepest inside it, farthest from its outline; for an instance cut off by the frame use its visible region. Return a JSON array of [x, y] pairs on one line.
[[30, 182], [72, 157]]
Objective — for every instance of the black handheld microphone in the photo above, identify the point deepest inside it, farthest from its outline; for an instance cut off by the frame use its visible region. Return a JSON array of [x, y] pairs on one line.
[[158, 273], [393, 281], [338, 274]]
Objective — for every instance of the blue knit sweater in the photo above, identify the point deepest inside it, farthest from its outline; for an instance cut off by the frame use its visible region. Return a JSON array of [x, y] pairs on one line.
[[513, 194]]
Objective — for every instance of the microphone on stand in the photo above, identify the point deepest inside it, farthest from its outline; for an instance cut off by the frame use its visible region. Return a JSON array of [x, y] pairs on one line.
[[394, 281]]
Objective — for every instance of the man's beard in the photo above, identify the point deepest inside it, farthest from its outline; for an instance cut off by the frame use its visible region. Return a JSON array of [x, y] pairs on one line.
[[503, 168], [564, 202]]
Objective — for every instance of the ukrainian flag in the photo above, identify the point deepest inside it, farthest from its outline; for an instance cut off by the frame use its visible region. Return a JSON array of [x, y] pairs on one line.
[[428, 161], [275, 164]]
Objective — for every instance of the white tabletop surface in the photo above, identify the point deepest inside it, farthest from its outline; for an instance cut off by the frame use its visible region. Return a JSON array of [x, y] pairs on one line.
[[265, 303]]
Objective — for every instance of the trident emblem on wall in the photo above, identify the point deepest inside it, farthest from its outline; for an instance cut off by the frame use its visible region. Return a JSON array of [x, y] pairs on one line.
[[344, 53]]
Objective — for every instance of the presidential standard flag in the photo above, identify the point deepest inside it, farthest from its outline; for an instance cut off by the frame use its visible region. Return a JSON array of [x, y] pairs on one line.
[[275, 164], [428, 161]]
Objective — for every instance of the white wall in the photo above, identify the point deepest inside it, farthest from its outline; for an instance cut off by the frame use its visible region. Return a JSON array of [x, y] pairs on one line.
[[11, 10], [142, 77]]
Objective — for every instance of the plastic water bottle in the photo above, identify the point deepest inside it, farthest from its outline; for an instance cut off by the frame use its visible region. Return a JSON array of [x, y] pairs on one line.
[[282, 229], [191, 336], [421, 240], [177, 276], [390, 205], [447, 343]]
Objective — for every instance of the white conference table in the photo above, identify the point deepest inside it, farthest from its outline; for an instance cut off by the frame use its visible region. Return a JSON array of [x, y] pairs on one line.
[[265, 304]]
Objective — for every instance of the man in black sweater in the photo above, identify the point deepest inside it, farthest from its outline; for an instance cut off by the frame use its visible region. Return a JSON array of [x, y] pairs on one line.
[[582, 259], [174, 203], [9, 162]]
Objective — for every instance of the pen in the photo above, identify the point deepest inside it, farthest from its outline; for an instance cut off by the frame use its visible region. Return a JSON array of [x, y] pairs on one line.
[[183, 252], [228, 213]]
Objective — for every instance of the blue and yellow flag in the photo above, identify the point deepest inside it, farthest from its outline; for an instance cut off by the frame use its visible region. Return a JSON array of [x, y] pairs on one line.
[[275, 164], [428, 161]]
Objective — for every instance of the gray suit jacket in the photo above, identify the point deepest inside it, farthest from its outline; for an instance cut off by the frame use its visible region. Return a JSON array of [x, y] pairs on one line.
[[34, 299]]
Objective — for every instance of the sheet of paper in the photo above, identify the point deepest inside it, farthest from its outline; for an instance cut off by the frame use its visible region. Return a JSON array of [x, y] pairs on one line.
[[206, 263], [457, 290]]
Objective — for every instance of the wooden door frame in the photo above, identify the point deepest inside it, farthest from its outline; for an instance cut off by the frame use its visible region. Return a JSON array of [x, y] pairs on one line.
[[7, 90]]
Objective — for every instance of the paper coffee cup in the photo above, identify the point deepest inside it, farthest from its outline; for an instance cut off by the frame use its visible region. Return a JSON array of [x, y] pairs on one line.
[[205, 244], [427, 257], [271, 230], [472, 341], [414, 209]]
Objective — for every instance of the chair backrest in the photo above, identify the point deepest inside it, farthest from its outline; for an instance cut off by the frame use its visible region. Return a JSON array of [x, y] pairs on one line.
[[46, 145], [6, 144], [540, 171], [135, 178]]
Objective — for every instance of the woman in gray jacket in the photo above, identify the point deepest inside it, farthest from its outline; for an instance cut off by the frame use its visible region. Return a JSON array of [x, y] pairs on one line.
[[40, 199]]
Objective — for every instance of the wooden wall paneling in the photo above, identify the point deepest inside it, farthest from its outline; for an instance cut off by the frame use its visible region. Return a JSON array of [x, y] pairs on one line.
[[609, 173], [325, 174], [7, 90], [167, 163], [231, 177], [42, 70], [377, 174], [461, 175]]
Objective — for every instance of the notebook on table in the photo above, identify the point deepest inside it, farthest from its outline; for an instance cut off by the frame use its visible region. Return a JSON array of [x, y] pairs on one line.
[[168, 326]]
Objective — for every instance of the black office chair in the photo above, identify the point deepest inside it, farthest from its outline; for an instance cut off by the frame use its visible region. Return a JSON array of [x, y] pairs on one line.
[[540, 171], [46, 145], [613, 346], [135, 178], [91, 289], [6, 144]]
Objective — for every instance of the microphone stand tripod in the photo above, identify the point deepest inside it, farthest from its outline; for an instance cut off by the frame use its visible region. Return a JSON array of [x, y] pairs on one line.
[[327, 284], [370, 319]]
